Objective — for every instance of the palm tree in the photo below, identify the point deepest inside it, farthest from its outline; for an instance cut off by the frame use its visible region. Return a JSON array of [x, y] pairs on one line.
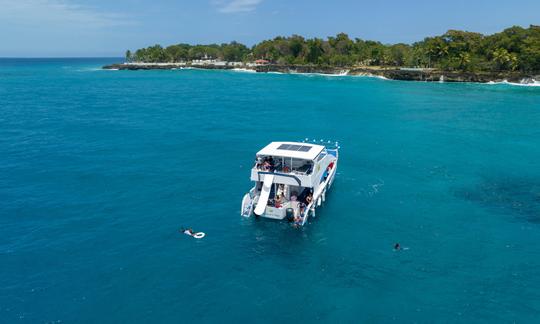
[[514, 62], [464, 60], [437, 50], [501, 57], [128, 56], [442, 50]]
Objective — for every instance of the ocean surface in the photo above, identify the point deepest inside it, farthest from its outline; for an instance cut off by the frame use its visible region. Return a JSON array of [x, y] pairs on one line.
[[100, 169]]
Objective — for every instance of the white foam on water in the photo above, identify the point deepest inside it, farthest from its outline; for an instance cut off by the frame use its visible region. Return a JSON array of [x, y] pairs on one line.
[[342, 73], [375, 188], [369, 75], [534, 83], [379, 77], [244, 70]]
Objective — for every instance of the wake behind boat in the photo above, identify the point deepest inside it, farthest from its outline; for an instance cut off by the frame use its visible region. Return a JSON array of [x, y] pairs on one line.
[[291, 180]]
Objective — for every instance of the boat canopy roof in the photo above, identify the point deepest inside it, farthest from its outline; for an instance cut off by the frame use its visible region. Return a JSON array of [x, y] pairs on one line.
[[305, 151]]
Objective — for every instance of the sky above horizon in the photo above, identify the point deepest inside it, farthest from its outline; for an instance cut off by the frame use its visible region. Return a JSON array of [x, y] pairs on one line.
[[49, 28]]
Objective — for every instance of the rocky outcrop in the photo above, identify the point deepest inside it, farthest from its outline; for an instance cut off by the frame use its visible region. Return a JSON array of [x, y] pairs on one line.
[[389, 73], [300, 69], [163, 66], [446, 76]]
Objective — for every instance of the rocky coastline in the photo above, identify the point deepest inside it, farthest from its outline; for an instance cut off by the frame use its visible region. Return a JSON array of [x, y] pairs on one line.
[[403, 74]]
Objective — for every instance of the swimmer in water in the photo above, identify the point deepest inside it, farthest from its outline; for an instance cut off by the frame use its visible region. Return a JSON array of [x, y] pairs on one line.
[[188, 231], [398, 247]]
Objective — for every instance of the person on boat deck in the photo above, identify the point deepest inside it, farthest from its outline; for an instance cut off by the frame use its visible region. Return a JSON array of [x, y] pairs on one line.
[[302, 208], [281, 190], [309, 198], [278, 201], [327, 172], [271, 164], [298, 220], [259, 163], [268, 164]]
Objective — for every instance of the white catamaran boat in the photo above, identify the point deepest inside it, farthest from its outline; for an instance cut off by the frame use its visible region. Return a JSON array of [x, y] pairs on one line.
[[291, 180]]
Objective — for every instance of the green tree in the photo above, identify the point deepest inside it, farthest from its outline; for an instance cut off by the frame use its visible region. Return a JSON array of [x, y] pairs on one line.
[[314, 50], [400, 54], [234, 51], [296, 45], [342, 44], [529, 55], [515, 48], [176, 53], [464, 59], [504, 60]]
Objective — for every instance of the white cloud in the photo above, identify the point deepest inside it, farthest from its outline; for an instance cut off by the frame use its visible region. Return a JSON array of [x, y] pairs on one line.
[[36, 12], [235, 6]]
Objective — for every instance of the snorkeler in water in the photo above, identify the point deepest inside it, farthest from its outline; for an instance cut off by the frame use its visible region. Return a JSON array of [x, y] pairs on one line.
[[398, 247]]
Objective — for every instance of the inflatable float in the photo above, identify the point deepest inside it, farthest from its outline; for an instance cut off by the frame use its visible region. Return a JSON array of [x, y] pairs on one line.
[[197, 235]]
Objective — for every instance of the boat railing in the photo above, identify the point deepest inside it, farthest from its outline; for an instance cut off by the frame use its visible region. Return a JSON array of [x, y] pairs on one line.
[[283, 170], [317, 195], [259, 173]]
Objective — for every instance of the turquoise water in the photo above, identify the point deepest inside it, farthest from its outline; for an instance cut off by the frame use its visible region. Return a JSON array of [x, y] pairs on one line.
[[99, 170]]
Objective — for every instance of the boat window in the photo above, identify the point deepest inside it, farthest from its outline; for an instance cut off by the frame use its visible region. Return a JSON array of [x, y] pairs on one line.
[[320, 157]]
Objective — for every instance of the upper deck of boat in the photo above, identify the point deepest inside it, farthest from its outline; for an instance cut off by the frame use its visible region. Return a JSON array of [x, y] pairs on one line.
[[293, 150]]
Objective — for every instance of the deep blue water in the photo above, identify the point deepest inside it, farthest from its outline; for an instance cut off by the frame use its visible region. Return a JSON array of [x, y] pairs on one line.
[[99, 170]]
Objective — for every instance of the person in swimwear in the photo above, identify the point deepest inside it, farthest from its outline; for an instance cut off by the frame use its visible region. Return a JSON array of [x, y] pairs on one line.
[[309, 198], [278, 201], [397, 247]]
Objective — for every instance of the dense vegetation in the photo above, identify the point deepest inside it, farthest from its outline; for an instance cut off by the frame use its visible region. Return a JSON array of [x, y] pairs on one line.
[[514, 49]]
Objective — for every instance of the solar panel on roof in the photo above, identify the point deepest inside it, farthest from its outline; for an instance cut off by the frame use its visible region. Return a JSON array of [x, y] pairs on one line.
[[294, 147], [304, 148]]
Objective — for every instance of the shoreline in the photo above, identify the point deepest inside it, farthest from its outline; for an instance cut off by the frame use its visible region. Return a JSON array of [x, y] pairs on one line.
[[402, 74]]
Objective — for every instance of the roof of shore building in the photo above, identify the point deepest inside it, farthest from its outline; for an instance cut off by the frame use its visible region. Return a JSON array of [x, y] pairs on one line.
[[295, 150]]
